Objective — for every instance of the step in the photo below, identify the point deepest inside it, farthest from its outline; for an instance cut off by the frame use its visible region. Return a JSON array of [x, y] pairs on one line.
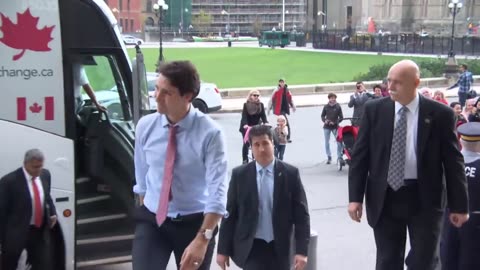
[[101, 221], [121, 257], [92, 198], [88, 203], [122, 231], [101, 218], [83, 184], [92, 250]]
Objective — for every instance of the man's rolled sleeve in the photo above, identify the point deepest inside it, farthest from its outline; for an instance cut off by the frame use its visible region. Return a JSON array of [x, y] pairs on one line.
[[141, 167], [216, 174]]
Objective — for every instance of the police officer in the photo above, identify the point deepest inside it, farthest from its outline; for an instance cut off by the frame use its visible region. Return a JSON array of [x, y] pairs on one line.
[[460, 247]]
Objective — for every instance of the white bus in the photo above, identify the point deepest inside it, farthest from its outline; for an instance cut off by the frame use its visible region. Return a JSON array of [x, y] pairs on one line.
[[89, 153]]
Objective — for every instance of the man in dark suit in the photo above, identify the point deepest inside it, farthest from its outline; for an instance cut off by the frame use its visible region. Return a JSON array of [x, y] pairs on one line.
[[266, 202], [406, 162], [357, 101], [27, 213]]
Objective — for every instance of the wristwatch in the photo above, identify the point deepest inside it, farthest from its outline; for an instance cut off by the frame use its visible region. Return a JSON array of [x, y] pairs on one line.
[[207, 233]]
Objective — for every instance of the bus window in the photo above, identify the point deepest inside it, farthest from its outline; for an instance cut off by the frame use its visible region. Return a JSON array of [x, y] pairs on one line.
[[108, 86]]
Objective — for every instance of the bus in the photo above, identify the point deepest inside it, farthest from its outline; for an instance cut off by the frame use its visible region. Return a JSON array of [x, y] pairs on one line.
[[88, 152]]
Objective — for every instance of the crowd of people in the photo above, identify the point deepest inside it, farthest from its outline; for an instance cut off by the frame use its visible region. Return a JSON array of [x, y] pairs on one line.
[[406, 166]]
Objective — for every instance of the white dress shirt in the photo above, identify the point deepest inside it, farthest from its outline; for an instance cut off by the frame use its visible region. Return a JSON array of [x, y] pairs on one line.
[[412, 132], [39, 185]]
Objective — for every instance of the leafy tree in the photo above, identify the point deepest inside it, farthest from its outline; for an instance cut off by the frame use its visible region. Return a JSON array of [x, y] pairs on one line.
[[202, 21], [257, 27]]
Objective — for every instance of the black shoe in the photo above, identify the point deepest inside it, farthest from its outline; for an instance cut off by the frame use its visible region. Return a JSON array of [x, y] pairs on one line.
[[329, 160]]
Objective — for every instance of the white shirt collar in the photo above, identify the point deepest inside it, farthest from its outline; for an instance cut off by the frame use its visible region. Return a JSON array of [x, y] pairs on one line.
[[412, 106], [27, 175], [269, 167]]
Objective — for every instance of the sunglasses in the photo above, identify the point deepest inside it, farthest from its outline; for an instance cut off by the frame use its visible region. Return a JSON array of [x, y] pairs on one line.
[[255, 95]]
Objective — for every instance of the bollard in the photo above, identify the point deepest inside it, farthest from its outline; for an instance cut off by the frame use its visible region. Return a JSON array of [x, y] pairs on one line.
[[229, 43], [312, 251]]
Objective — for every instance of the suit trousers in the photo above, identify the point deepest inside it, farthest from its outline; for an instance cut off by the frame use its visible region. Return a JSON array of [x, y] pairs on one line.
[[402, 212], [263, 257], [38, 254], [153, 245], [460, 247]]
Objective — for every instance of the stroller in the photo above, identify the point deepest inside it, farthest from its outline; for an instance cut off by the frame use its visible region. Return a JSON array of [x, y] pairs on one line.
[[347, 135]]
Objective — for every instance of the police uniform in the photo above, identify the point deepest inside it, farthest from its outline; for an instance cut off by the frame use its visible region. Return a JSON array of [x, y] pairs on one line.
[[460, 247]]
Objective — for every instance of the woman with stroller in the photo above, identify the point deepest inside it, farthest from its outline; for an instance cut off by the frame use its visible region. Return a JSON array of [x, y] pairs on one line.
[[253, 112], [332, 116]]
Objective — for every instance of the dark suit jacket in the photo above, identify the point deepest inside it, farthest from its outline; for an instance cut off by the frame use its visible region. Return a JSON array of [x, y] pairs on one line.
[[358, 105], [440, 164], [16, 209], [290, 210]]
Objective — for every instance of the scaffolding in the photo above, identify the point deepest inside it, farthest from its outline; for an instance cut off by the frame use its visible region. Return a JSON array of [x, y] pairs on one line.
[[249, 16]]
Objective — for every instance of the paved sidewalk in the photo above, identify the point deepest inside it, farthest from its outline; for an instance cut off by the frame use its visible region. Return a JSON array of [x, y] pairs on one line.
[[236, 104]]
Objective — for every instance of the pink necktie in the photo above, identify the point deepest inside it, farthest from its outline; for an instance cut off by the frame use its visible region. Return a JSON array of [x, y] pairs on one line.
[[165, 194], [38, 215]]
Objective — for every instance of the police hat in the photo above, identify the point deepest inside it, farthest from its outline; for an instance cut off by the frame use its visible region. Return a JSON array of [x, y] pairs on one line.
[[470, 132]]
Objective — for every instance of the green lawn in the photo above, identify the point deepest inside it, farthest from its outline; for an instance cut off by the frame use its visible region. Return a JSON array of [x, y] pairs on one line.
[[245, 67]]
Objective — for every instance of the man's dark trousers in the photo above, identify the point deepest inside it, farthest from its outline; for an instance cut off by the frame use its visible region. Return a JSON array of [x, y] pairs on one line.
[[38, 252], [401, 211], [263, 257], [153, 245], [462, 98]]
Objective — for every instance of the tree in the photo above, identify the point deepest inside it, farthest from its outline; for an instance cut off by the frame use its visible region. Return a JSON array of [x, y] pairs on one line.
[[202, 21], [257, 27]]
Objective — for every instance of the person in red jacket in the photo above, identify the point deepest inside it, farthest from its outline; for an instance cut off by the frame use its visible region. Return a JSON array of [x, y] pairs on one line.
[[280, 102]]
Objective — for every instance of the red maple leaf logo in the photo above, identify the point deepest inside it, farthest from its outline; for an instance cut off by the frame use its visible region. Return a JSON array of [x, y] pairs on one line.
[[25, 35], [35, 108]]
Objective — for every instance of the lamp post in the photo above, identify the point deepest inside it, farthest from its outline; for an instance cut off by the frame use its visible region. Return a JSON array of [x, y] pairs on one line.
[[451, 65], [224, 12], [159, 7], [321, 13], [283, 15], [285, 22]]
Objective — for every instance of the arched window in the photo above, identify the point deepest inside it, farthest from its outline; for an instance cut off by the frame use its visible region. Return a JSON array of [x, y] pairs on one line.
[[149, 21]]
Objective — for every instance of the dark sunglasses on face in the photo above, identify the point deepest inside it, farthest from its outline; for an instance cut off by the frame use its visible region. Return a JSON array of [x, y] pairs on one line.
[[255, 95]]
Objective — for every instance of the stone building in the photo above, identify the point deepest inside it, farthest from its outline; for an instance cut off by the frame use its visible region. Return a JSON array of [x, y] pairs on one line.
[[433, 16]]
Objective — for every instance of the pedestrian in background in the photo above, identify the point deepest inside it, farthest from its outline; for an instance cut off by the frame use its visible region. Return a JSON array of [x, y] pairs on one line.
[[331, 117], [460, 247], [464, 84], [267, 208], [253, 113], [27, 214], [181, 176], [357, 101], [457, 109], [440, 97], [281, 102], [475, 113], [469, 104], [426, 92], [377, 91], [280, 135], [384, 87], [405, 165]]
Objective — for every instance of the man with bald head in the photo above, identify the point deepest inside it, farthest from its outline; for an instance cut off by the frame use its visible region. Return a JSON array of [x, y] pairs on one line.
[[406, 163]]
